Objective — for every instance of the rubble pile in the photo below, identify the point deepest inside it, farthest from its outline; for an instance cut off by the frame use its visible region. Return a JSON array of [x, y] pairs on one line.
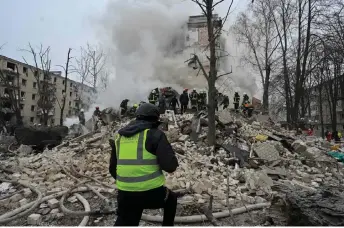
[[243, 169]]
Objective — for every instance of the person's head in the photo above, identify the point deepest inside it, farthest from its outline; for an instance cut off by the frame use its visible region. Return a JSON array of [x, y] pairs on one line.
[[244, 94], [97, 108], [148, 112], [135, 105], [194, 89], [82, 110], [153, 91]]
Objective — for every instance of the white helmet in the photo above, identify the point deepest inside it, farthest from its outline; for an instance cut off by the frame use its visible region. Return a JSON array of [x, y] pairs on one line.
[[194, 89], [82, 110], [153, 91], [244, 93]]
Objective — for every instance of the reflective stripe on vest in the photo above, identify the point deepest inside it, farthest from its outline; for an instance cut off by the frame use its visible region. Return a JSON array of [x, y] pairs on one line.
[[137, 183]]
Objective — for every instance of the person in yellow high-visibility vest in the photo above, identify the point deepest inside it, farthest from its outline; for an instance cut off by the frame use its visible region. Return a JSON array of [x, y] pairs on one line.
[[140, 151]]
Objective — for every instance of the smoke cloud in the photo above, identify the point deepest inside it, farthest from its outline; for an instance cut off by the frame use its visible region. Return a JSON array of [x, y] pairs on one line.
[[144, 41]]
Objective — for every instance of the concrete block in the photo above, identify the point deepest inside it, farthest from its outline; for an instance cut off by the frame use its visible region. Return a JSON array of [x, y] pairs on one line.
[[53, 203], [54, 211], [34, 219], [27, 192], [16, 198], [23, 202]]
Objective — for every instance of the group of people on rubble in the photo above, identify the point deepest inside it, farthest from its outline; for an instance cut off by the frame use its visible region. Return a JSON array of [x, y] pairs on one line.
[[167, 99], [336, 136]]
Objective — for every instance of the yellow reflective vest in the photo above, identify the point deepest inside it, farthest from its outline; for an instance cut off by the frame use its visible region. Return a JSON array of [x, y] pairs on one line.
[[137, 169]]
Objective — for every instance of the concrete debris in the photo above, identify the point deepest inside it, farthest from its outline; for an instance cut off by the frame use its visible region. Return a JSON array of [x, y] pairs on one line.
[[267, 151], [34, 219], [53, 203], [242, 166]]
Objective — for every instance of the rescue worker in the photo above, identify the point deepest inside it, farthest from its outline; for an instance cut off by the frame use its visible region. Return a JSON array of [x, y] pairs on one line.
[[236, 101], [174, 102], [194, 99], [225, 102], [97, 112], [162, 104], [124, 106], [96, 118], [153, 97], [246, 99], [184, 101], [202, 100], [133, 109], [140, 152], [82, 117]]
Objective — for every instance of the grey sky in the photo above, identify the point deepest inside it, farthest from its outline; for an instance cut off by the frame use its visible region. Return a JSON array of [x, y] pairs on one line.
[[64, 23]]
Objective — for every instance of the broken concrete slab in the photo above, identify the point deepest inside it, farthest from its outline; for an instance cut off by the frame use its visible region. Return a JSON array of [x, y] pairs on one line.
[[53, 203], [267, 151], [34, 219]]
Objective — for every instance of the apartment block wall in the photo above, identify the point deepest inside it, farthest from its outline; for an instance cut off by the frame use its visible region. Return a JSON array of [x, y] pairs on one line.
[[29, 93]]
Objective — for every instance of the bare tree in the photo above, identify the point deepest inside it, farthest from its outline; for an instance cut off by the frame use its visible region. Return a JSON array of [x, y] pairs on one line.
[[42, 74], [96, 63], [66, 71], [82, 68], [214, 32], [257, 31]]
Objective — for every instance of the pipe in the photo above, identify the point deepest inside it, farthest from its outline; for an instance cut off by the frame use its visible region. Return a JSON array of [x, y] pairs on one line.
[[86, 206], [202, 218]]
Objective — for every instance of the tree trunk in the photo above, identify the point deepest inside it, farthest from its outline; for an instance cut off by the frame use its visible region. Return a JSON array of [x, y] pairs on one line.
[[266, 89], [65, 88], [212, 77], [321, 111]]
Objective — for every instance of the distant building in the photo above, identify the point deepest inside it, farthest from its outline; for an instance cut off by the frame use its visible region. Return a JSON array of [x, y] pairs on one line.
[[197, 38], [313, 102], [77, 96]]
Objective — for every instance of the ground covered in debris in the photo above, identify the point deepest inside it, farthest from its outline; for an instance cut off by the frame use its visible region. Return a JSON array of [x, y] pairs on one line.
[[256, 166]]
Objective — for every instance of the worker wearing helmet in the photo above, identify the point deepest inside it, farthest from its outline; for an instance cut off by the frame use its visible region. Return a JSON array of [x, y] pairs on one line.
[[124, 106], [194, 98], [97, 112], [140, 151], [246, 99], [184, 101], [82, 117], [153, 97], [236, 101]]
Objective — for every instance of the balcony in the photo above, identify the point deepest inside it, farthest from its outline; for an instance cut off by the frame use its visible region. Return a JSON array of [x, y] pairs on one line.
[[40, 112]]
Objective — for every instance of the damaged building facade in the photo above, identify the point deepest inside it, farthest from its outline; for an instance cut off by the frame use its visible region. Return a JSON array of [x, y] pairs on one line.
[[21, 86], [324, 105]]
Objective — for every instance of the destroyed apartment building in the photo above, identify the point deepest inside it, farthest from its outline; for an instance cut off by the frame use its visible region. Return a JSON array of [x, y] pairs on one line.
[[18, 84], [257, 174]]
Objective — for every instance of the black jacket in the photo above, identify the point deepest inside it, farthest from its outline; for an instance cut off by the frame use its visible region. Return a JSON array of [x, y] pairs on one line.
[[97, 112], [174, 102], [124, 104], [184, 98], [225, 101], [156, 143]]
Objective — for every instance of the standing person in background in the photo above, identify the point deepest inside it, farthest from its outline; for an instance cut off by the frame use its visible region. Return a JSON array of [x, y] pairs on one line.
[[162, 104], [340, 135], [245, 99], [329, 136], [124, 106], [236, 101], [184, 101], [174, 102], [82, 117], [140, 151], [153, 97], [194, 98], [225, 102]]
